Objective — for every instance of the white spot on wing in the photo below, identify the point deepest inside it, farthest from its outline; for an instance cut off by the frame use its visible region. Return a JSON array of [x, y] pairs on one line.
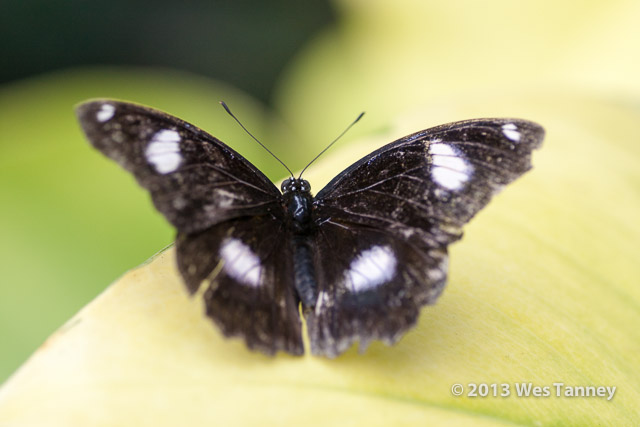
[[448, 167], [240, 262], [510, 130], [163, 152], [371, 268], [105, 113]]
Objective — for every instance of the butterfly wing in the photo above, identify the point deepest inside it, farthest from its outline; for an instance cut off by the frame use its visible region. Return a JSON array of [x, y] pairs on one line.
[[245, 270], [194, 179], [371, 285], [385, 223], [228, 216]]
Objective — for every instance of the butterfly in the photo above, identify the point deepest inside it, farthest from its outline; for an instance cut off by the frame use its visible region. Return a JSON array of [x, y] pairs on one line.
[[361, 257]]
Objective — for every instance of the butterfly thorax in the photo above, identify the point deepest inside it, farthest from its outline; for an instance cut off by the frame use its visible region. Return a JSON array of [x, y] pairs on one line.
[[298, 203]]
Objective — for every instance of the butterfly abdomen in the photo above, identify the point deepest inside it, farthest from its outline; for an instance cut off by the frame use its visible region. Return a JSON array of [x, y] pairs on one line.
[[304, 272]]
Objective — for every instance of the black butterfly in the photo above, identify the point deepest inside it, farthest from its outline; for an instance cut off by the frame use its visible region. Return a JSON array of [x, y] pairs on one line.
[[361, 257]]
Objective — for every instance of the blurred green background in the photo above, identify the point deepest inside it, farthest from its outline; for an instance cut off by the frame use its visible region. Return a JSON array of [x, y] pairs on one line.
[[71, 221]]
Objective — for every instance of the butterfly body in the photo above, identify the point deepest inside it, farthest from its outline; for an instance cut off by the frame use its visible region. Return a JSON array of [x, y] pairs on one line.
[[361, 257], [298, 205]]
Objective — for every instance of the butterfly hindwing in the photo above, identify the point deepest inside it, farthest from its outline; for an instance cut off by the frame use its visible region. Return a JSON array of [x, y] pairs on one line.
[[371, 286], [195, 180], [390, 217], [245, 267]]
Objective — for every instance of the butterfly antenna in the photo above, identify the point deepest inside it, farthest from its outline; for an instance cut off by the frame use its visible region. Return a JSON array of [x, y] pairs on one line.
[[332, 142], [256, 139]]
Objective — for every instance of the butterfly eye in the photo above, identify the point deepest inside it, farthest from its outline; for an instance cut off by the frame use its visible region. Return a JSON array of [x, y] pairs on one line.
[[304, 186], [286, 185]]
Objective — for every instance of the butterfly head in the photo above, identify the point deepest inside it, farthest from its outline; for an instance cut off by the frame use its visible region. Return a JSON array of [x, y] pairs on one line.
[[295, 185]]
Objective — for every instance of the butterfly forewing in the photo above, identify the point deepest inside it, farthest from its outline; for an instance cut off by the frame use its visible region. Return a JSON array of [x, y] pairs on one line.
[[195, 180], [432, 181], [414, 195]]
